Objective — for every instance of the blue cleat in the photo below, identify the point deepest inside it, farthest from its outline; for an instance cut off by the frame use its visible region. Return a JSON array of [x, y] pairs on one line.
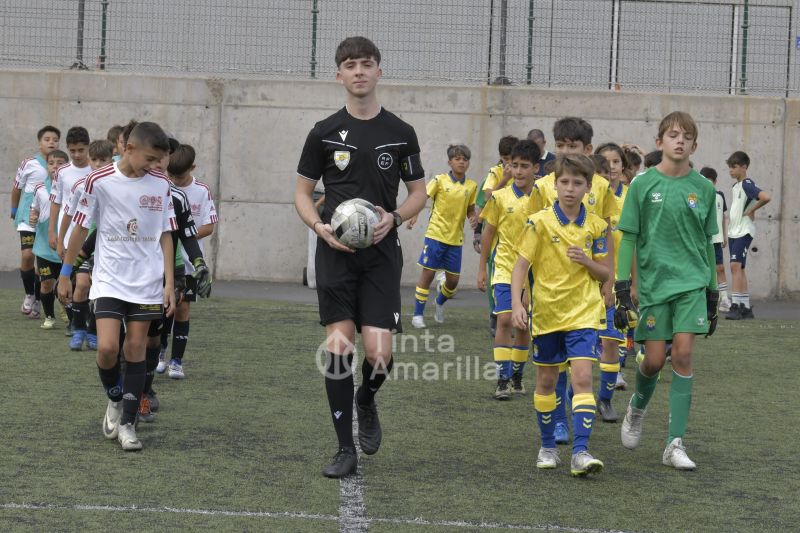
[[78, 336], [91, 341], [561, 433]]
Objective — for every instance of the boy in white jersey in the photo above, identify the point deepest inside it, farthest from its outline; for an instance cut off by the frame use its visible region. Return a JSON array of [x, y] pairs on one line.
[[181, 165], [133, 275], [31, 172], [746, 198], [65, 177]]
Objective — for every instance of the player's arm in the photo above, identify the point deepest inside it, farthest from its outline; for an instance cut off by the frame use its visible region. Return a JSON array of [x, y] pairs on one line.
[[66, 222], [52, 234], [304, 204], [762, 199], [519, 281], [16, 194], [413, 204], [598, 269], [472, 216], [205, 231], [487, 236], [169, 272], [64, 284]]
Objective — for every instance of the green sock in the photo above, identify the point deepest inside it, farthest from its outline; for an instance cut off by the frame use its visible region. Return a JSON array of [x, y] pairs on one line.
[[645, 386], [680, 400]]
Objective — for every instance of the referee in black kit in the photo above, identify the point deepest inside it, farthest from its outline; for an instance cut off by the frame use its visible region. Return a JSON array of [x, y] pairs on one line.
[[361, 151]]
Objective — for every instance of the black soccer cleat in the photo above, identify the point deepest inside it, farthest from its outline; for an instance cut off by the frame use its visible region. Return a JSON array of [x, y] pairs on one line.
[[607, 411], [344, 463], [746, 312], [735, 313], [369, 428]]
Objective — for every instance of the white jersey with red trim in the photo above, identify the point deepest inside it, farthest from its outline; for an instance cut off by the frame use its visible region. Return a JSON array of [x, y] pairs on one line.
[[203, 211], [41, 202], [29, 174], [68, 208], [130, 214], [63, 182]]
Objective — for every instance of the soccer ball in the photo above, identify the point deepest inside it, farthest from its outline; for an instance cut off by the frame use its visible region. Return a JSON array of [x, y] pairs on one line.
[[353, 222]]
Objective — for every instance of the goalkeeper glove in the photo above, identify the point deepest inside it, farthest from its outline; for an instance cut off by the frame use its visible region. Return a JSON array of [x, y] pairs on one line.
[[712, 304], [626, 315], [202, 277]]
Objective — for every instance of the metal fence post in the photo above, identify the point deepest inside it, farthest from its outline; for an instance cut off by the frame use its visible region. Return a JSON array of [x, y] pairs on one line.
[[745, 27], [79, 64], [101, 61], [314, 15], [529, 66]]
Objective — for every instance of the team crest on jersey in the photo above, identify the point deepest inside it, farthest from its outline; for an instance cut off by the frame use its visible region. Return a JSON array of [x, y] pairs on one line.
[[151, 203], [341, 159], [385, 161], [133, 227], [592, 200], [651, 323], [692, 200], [589, 241]]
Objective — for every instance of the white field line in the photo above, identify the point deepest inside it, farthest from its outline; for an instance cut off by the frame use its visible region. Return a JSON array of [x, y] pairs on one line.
[[300, 516], [352, 510]]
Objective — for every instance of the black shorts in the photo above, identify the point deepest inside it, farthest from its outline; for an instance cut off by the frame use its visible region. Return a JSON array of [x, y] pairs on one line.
[[87, 266], [718, 252], [363, 287], [26, 239], [189, 288], [156, 326], [47, 269], [120, 309]]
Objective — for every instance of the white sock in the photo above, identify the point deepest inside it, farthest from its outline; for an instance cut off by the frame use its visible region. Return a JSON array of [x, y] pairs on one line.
[[745, 298]]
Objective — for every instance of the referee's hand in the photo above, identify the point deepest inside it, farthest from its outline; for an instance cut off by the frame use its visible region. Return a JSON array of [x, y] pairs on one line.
[[382, 228], [325, 232]]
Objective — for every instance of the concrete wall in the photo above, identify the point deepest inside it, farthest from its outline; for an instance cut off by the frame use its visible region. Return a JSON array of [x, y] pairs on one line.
[[249, 133]]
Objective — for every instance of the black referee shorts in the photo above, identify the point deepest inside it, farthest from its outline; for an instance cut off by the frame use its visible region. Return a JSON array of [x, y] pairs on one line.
[[363, 287]]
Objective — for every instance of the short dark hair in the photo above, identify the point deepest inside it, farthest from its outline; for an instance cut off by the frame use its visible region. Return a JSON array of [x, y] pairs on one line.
[[150, 134], [47, 128], [113, 133], [601, 165], [181, 160], [527, 151], [535, 134], [126, 131], [459, 149], [614, 147], [738, 158], [506, 144], [78, 135], [58, 153], [357, 48], [101, 149], [709, 173], [573, 129], [633, 157], [577, 164], [653, 158]]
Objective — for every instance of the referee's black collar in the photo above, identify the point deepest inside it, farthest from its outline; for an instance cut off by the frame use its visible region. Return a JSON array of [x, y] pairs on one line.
[[564, 220]]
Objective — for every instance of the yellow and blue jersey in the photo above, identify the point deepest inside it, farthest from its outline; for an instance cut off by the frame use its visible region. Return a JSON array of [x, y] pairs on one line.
[[600, 200], [451, 199], [565, 295], [507, 210], [616, 234]]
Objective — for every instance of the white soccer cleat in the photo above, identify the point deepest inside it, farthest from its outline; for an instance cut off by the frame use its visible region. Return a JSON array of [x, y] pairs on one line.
[[548, 458], [631, 431], [724, 305], [176, 370], [35, 310], [621, 384], [162, 361], [111, 420], [438, 313], [418, 322], [583, 464], [675, 456], [49, 323], [128, 439], [27, 304]]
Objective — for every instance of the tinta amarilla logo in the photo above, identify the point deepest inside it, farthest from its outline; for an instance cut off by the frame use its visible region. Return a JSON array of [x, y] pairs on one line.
[[133, 227]]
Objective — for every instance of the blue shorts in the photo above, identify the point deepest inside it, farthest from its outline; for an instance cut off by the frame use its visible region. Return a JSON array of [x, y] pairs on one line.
[[718, 252], [611, 333], [439, 256], [502, 298], [553, 349], [739, 247]]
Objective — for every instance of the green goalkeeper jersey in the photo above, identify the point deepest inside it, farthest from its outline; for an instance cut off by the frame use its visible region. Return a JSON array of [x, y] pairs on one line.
[[673, 220]]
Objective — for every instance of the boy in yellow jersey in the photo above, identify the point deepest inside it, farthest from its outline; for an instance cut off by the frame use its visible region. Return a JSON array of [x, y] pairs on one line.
[[496, 178], [453, 198], [667, 222], [565, 246], [611, 338], [574, 136], [505, 215]]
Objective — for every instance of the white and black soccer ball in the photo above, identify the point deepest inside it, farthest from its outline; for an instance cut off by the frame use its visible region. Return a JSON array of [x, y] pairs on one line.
[[353, 222]]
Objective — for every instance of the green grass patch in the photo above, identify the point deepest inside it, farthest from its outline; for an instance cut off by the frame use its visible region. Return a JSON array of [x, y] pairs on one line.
[[248, 430]]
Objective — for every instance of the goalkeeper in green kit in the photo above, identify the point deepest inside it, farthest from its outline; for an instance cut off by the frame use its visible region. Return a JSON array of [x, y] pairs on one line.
[[667, 221]]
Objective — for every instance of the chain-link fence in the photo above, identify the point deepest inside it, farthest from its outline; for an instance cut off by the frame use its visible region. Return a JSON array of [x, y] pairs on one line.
[[710, 46]]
